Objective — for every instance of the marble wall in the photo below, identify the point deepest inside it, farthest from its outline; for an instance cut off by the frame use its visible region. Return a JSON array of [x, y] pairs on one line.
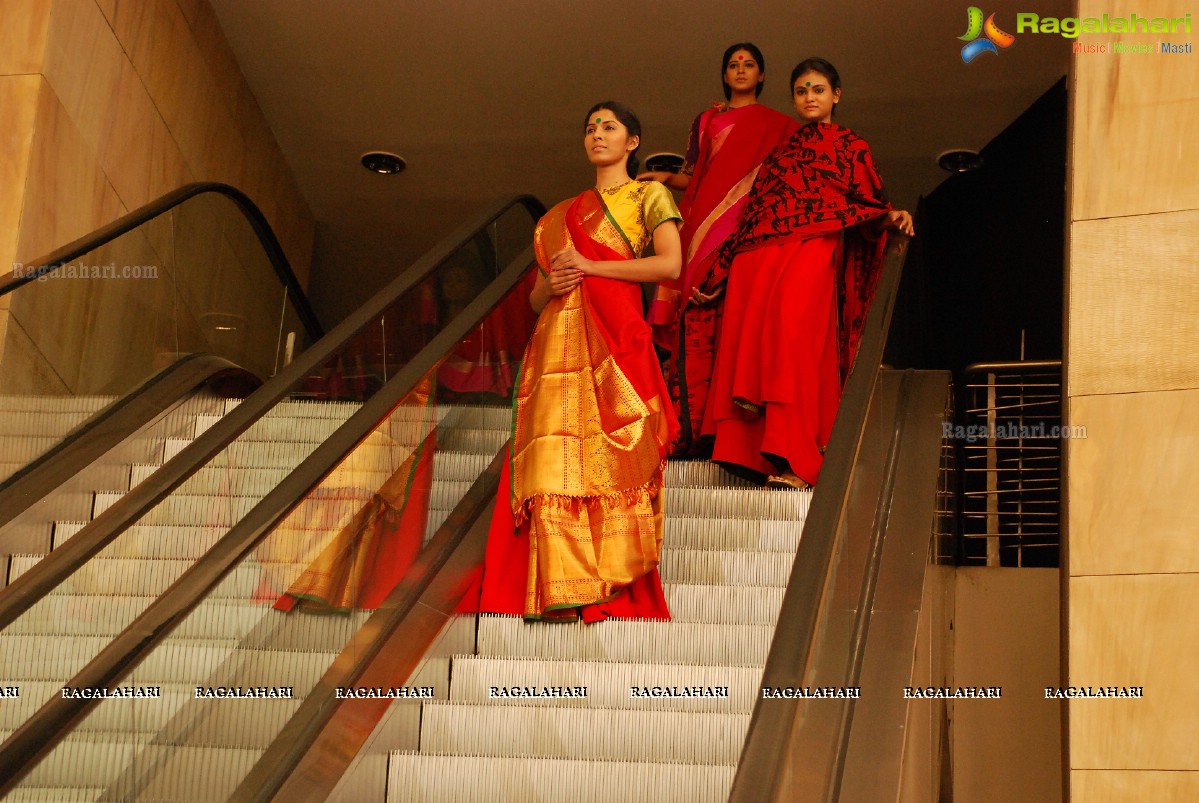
[[1132, 362], [116, 103]]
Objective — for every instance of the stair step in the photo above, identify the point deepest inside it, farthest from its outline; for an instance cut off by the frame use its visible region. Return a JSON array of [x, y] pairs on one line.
[[725, 567], [97, 759], [417, 778], [602, 734], [749, 535], [626, 641], [43, 423], [54, 404], [738, 503], [295, 450], [608, 683], [723, 604], [55, 661]]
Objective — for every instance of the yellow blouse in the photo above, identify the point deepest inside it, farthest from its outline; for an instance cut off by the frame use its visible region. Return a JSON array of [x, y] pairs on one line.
[[638, 208]]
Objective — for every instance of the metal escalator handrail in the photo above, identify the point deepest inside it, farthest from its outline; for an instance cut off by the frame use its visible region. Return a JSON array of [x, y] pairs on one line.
[[317, 745], [131, 413], [54, 720], [49, 572], [1017, 366], [764, 755], [127, 223]]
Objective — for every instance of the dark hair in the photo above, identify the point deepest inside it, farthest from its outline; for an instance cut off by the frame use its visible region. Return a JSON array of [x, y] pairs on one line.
[[629, 120], [728, 54]]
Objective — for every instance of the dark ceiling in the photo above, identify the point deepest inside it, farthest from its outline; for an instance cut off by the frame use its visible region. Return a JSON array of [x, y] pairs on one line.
[[485, 99]]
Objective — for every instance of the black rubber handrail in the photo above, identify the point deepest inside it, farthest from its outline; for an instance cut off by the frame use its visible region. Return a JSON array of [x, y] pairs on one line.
[[49, 572], [128, 415], [142, 215], [37, 736], [764, 755]]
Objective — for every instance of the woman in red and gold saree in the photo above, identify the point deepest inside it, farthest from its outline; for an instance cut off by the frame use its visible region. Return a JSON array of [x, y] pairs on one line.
[[804, 265], [726, 145], [577, 527], [370, 552]]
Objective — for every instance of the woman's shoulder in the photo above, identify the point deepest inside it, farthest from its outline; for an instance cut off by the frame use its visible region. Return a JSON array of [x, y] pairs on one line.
[[654, 201], [646, 192], [845, 138]]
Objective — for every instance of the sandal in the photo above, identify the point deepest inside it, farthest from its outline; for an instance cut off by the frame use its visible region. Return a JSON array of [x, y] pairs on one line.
[[787, 482]]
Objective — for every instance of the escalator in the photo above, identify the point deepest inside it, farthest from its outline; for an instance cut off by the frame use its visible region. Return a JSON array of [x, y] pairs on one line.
[[185, 598]]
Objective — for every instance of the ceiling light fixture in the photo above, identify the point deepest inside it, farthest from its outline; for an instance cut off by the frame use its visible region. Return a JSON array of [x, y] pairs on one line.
[[960, 160], [383, 163]]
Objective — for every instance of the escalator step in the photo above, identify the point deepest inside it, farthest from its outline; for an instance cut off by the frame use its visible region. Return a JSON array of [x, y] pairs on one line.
[[608, 683], [414, 778]]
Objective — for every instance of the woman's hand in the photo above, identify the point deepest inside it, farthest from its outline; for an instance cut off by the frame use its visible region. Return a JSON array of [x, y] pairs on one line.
[[655, 175], [563, 280], [900, 221], [706, 299], [570, 259]]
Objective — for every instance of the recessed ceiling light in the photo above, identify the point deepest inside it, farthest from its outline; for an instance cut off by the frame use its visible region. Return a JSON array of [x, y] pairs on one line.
[[384, 163], [960, 160]]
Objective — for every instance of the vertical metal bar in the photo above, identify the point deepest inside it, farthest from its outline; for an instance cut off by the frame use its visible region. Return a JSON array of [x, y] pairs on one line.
[[992, 474]]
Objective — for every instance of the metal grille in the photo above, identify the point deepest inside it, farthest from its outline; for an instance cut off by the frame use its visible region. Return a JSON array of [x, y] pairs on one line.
[[1008, 439]]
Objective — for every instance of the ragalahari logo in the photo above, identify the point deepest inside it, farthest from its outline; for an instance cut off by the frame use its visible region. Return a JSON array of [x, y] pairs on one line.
[[975, 27]]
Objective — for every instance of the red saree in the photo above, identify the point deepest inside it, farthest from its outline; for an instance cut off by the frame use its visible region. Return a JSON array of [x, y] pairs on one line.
[[370, 554], [577, 527], [800, 273], [723, 155]]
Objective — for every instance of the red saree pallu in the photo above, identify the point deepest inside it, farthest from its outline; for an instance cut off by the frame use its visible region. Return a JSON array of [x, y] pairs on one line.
[[798, 289], [727, 146], [371, 553], [577, 527]]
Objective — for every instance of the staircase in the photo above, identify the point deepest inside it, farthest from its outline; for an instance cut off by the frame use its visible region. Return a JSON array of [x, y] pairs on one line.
[[178, 747], [727, 554], [728, 550], [30, 425]]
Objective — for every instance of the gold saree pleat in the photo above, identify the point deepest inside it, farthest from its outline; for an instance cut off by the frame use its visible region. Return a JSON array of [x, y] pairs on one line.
[[586, 456]]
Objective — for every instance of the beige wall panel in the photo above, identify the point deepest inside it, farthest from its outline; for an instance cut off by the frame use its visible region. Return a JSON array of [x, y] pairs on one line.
[[167, 168], [109, 9], [67, 195], [83, 65], [18, 110], [1134, 147], [1134, 289], [25, 371], [191, 9], [927, 720], [1006, 633], [158, 40], [23, 36], [1135, 630], [109, 103], [191, 75], [1131, 483], [3, 326], [210, 39], [1134, 786]]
